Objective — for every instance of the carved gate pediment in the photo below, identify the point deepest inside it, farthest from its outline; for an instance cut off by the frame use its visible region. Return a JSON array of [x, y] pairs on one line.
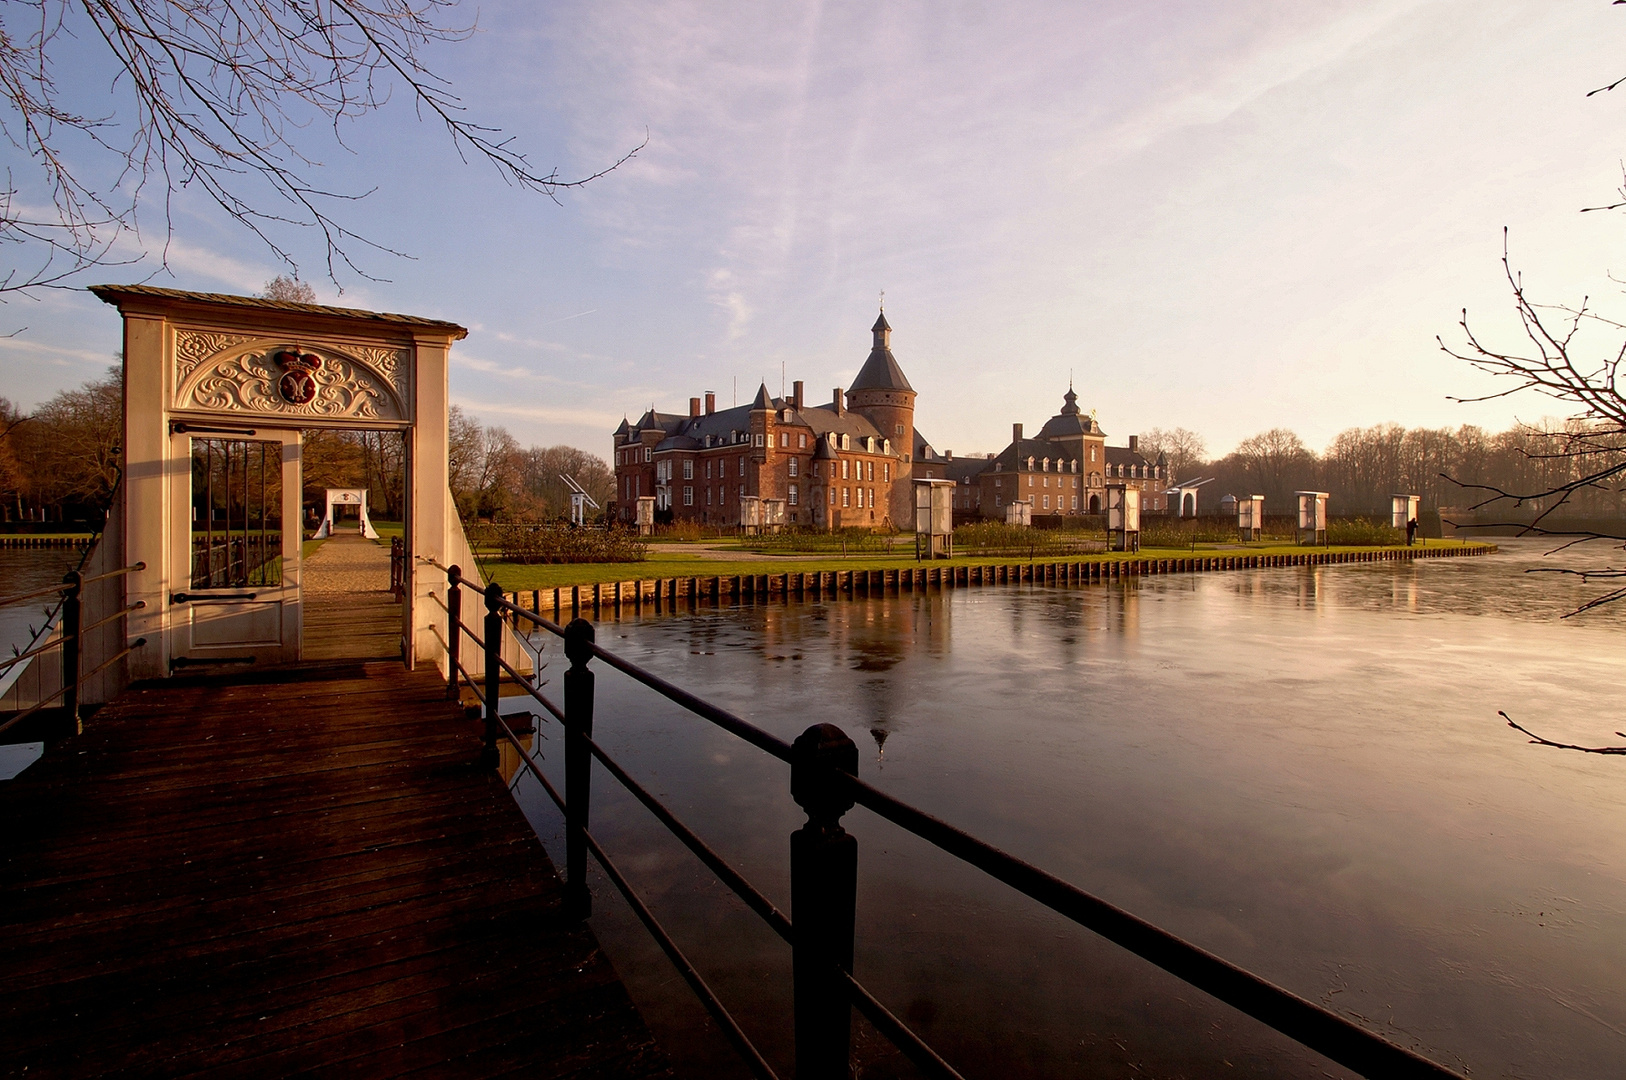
[[299, 380]]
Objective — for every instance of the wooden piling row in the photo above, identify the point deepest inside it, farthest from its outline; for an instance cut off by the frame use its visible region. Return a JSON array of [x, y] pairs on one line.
[[570, 601], [24, 541]]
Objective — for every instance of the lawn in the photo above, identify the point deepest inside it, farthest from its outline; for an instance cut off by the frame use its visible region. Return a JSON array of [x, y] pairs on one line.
[[515, 577]]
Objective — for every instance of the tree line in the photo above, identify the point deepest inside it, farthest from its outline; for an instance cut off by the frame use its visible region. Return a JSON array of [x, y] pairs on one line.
[[61, 463], [1448, 467]]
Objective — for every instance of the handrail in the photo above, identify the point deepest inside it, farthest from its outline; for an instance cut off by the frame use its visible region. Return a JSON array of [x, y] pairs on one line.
[[35, 595], [823, 781], [97, 670]]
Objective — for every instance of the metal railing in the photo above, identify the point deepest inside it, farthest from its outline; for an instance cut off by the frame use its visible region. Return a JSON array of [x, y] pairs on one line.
[[823, 868], [71, 640]]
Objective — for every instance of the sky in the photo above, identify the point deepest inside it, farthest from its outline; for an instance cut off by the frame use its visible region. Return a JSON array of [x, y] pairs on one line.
[[1225, 216]]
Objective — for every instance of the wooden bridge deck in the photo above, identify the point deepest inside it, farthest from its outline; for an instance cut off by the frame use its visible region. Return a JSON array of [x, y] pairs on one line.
[[295, 871]]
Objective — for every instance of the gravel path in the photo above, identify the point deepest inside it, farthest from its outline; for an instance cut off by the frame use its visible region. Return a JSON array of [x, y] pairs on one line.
[[348, 564]]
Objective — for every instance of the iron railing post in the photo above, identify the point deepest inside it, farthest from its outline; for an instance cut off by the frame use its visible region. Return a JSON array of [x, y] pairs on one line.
[[71, 621], [493, 648], [823, 901], [579, 637], [454, 630]]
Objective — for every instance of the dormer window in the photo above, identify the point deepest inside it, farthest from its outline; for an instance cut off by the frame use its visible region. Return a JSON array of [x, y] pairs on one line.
[[1046, 464], [846, 441], [785, 416], [886, 446], [1030, 463]]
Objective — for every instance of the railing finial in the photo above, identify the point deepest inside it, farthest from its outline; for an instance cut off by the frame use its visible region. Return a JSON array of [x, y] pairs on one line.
[[817, 751], [579, 638]]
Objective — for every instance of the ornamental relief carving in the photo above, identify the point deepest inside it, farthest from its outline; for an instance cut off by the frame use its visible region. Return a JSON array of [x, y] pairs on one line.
[[193, 347], [295, 380]]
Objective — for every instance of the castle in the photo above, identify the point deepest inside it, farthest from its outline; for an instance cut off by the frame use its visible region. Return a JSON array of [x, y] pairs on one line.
[[851, 461]]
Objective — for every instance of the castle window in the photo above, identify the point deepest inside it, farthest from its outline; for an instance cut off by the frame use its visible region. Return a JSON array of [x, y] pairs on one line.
[[793, 466], [742, 466], [688, 496], [846, 441], [886, 468], [844, 466], [869, 470], [846, 496], [1030, 481], [646, 455], [688, 469], [1075, 502], [786, 416], [784, 438], [897, 429], [790, 496], [759, 438], [1046, 464], [801, 440], [1047, 502], [998, 482], [832, 496], [1047, 483]]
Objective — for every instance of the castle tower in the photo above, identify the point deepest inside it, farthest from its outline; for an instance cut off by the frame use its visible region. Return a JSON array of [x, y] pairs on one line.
[[884, 397]]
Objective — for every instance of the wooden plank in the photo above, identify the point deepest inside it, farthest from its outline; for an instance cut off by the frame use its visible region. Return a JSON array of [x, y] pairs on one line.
[[288, 871]]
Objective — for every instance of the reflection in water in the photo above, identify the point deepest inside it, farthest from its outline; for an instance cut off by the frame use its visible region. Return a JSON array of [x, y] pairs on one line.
[[1299, 769]]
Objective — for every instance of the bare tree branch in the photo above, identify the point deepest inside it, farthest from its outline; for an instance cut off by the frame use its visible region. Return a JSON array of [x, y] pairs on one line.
[[216, 94], [1560, 745]]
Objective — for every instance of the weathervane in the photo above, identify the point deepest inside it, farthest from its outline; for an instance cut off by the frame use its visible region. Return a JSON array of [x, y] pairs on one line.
[[883, 299]]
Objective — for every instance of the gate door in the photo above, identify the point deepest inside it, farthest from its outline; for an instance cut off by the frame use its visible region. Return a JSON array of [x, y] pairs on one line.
[[238, 551]]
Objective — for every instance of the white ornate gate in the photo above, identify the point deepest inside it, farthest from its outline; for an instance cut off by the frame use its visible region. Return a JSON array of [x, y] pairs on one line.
[[212, 378]]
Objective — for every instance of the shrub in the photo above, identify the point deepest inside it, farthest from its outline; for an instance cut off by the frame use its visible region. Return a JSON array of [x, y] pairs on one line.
[[998, 538], [530, 544], [1363, 532]]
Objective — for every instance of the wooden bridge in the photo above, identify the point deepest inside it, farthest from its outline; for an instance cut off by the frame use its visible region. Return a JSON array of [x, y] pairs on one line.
[[296, 870]]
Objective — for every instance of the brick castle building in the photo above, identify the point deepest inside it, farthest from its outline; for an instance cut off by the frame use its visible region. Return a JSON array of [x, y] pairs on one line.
[[850, 461]]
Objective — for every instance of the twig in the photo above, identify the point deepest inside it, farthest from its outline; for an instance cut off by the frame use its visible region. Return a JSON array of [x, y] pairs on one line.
[[1563, 745]]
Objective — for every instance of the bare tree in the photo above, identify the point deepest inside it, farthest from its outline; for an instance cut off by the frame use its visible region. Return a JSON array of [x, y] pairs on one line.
[[1183, 449], [217, 96], [1276, 462], [289, 289], [1585, 455]]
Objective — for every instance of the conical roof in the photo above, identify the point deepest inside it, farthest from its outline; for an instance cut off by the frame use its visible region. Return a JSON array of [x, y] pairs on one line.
[[763, 401], [881, 370]]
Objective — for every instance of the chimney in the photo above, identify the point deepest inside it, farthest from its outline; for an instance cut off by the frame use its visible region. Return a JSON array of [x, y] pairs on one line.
[[1016, 433], [694, 406], [948, 455], [835, 399], [1134, 444], [711, 402], [796, 395]]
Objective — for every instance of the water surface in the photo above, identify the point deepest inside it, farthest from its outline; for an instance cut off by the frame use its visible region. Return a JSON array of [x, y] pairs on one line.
[[1300, 769]]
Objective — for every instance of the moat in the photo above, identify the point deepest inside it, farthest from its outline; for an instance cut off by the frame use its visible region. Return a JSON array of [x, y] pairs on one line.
[[1301, 769]]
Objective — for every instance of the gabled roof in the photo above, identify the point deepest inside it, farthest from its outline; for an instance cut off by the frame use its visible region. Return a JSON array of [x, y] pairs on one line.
[[118, 294], [1038, 449], [1122, 455]]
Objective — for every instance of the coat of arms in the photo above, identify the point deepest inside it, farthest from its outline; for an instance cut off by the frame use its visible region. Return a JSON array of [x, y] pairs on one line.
[[296, 386]]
